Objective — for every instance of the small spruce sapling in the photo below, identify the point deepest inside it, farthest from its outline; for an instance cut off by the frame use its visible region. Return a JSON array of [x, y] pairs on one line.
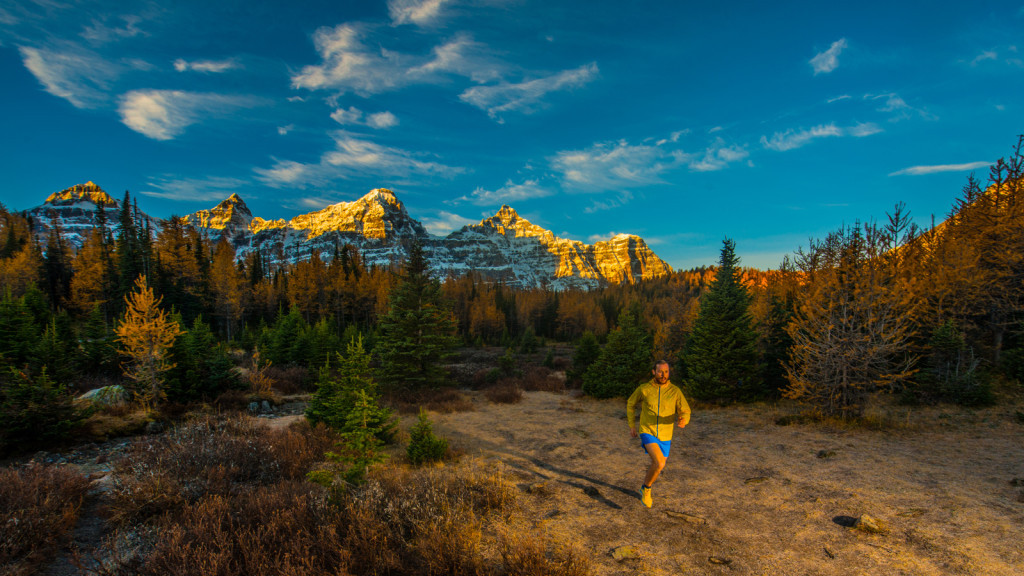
[[424, 445]]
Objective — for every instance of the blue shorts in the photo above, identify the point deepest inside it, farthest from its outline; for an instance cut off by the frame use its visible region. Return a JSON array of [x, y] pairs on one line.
[[665, 445]]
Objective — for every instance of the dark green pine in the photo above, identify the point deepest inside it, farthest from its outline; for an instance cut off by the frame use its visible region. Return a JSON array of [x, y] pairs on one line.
[[720, 356]]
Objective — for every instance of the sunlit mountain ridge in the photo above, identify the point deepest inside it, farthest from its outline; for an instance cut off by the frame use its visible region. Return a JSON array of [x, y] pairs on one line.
[[504, 247]]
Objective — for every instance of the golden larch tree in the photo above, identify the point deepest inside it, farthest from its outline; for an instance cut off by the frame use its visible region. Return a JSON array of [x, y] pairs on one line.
[[146, 334], [229, 287]]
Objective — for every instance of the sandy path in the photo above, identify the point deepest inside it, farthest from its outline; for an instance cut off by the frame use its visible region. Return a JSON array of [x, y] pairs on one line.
[[756, 497]]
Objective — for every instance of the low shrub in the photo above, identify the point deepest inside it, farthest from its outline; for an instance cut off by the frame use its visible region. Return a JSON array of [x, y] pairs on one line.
[[538, 378], [39, 506], [207, 456], [506, 391], [528, 554], [289, 379], [440, 400]]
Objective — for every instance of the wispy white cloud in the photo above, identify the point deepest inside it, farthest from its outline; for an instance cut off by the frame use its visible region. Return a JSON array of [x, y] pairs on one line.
[[284, 130], [986, 55], [419, 12], [673, 137], [353, 156], [443, 223], [718, 156], [461, 56], [895, 105], [164, 114], [838, 98], [213, 189], [526, 96], [792, 139], [206, 66], [289, 173], [863, 129], [921, 170], [611, 166], [6, 18], [76, 75], [510, 192], [100, 32], [356, 117], [349, 65], [827, 61], [621, 199]]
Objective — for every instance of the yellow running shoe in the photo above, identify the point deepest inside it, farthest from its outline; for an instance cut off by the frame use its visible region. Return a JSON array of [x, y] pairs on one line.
[[645, 496]]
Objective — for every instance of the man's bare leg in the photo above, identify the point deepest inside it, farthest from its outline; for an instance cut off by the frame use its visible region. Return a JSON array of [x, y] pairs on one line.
[[657, 464]]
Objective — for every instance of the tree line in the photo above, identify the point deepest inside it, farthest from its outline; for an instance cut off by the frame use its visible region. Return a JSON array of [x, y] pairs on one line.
[[933, 314]]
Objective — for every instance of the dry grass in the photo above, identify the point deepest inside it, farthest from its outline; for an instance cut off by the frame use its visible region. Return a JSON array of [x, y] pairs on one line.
[[226, 497], [39, 506], [743, 495], [440, 400], [210, 455]]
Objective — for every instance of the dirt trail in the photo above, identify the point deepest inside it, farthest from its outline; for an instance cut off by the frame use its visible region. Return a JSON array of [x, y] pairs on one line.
[[742, 495]]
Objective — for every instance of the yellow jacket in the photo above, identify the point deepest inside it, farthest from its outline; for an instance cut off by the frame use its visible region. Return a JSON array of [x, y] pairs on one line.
[[660, 408]]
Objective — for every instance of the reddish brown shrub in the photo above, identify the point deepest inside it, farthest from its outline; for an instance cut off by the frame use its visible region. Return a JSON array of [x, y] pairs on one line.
[[441, 400], [210, 455], [281, 529], [540, 378], [506, 391], [38, 508], [289, 379]]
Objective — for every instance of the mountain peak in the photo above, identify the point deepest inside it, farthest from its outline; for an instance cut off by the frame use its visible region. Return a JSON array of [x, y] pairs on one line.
[[230, 213], [88, 192], [379, 214]]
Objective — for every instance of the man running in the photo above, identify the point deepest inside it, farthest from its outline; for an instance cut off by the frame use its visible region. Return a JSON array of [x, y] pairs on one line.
[[661, 405]]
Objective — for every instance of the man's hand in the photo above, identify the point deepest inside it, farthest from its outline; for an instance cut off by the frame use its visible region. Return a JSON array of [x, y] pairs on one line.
[[632, 432], [680, 424]]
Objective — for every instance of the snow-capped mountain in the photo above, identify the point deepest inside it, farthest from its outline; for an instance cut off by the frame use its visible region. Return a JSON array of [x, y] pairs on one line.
[[504, 247], [75, 210]]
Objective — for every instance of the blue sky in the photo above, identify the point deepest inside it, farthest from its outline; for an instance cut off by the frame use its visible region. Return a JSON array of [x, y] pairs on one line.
[[683, 122]]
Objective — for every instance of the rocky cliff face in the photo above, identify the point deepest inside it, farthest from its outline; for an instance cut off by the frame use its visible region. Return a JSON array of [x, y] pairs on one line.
[[504, 247], [74, 209]]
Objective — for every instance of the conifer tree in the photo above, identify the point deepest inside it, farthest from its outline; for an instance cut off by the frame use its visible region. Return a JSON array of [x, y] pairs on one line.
[[624, 362], [720, 356], [359, 448], [425, 446], [587, 351], [418, 331], [337, 394], [146, 334], [202, 367]]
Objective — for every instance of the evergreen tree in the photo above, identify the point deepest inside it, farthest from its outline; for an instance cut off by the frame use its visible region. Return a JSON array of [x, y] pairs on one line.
[[775, 345], [587, 351], [624, 362], [359, 448], [424, 445], [34, 409], [337, 393], [202, 368], [418, 331], [720, 356]]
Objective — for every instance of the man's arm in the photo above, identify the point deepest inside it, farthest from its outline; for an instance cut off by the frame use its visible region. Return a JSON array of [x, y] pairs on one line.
[[682, 412], [631, 412]]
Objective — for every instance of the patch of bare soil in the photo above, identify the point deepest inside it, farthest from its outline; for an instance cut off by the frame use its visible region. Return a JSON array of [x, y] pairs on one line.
[[743, 495]]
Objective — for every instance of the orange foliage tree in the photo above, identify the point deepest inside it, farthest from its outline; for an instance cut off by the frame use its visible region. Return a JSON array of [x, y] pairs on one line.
[[146, 334]]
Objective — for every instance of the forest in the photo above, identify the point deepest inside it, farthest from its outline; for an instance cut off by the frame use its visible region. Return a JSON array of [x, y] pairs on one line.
[[929, 314]]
